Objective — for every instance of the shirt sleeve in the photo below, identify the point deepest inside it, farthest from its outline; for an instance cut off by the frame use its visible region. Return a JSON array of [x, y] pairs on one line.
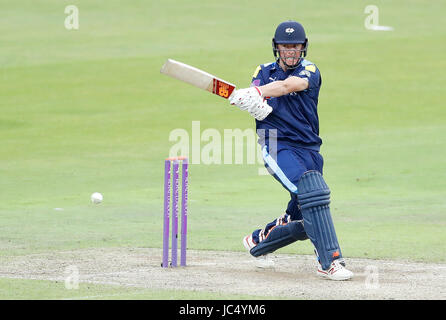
[[311, 74], [257, 78]]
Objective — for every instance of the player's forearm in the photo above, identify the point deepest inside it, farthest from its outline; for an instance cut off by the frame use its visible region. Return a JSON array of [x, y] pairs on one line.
[[283, 87]]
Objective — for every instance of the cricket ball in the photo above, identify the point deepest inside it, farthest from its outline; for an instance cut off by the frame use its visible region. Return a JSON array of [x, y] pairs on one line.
[[96, 198]]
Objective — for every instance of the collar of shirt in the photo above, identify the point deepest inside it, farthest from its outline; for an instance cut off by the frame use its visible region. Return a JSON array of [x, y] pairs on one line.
[[280, 74]]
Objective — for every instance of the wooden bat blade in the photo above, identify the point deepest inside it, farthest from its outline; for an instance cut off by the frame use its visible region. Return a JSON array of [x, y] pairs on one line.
[[198, 78]]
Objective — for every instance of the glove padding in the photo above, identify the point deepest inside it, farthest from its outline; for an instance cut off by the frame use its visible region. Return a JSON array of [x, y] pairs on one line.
[[261, 110], [246, 98]]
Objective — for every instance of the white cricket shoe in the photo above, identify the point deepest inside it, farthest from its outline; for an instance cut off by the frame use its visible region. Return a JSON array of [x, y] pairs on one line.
[[248, 242], [262, 262], [336, 271]]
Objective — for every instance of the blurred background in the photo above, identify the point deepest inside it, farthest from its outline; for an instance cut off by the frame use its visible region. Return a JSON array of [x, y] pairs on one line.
[[86, 110]]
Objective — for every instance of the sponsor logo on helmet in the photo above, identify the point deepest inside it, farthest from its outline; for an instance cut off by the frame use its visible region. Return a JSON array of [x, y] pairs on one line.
[[289, 30]]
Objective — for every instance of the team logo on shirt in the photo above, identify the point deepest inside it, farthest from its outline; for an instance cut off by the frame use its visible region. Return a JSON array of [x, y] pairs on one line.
[[305, 73], [255, 83]]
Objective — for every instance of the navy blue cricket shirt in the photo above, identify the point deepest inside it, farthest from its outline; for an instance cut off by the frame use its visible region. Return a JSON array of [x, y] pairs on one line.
[[294, 115]]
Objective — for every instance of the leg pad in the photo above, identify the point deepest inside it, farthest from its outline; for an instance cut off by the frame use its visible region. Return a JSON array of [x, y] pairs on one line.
[[314, 199], [279, 237]]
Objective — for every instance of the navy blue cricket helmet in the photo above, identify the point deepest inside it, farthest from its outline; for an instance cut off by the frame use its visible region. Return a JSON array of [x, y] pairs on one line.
[[290, 32]]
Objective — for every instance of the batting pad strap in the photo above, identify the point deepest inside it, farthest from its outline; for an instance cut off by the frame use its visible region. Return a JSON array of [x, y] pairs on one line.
[[279, 237], [317, 198]]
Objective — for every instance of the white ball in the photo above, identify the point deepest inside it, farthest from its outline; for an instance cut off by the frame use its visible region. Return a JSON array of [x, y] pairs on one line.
[[96, 198]]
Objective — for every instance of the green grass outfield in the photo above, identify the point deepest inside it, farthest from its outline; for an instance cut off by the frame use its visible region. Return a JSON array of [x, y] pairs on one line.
[[87, 110]]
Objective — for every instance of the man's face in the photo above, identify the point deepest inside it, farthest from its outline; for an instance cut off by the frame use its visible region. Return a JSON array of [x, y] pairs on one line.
[[289, 53]]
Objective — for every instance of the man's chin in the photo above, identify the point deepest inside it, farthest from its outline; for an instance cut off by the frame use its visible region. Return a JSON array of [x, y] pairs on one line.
[[290, 63]]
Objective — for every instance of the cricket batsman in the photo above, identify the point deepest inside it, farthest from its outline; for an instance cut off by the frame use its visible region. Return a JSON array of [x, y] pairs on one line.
[[283, 99]]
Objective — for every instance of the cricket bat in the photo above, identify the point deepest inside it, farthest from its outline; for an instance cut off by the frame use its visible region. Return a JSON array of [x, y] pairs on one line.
[[198, 78]]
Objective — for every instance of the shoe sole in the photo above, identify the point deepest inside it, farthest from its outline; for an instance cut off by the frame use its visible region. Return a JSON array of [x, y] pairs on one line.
[[328, 277]]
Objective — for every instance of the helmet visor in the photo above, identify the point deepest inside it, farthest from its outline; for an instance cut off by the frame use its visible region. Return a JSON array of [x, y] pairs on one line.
[[291, 55]]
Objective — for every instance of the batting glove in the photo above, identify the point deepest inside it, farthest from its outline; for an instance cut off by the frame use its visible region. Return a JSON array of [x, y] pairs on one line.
[[260, 111], [245, 98]]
